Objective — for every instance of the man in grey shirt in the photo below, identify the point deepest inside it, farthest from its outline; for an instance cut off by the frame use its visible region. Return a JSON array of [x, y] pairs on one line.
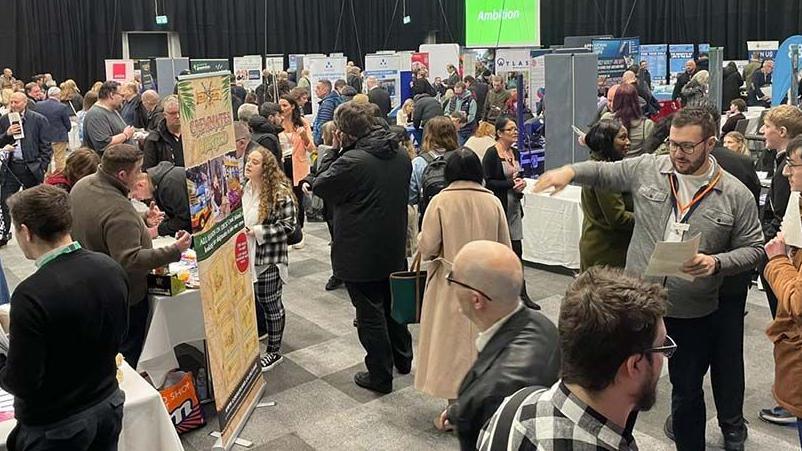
[[103, 125], [678, 196]]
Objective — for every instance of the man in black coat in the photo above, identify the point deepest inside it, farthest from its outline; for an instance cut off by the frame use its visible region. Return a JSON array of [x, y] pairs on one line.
[[684, 78], [164, 143], [367, 185], [265, 128], [27, 158], [518, 347], [479, 90], [166, 184], [379, 96]]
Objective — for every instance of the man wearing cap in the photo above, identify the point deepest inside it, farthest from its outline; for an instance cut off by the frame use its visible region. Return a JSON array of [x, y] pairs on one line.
[[58, 129]]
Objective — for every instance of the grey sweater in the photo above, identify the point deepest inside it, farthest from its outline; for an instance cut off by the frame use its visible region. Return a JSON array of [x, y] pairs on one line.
[[727, 220]]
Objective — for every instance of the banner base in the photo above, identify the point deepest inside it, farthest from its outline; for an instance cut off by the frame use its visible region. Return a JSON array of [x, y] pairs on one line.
[[219, 446]]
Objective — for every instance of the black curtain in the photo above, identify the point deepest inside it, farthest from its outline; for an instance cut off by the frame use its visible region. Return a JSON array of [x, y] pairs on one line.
[[71, 38]]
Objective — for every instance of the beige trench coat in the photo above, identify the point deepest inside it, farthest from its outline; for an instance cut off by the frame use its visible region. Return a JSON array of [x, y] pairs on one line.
[[461, 213]]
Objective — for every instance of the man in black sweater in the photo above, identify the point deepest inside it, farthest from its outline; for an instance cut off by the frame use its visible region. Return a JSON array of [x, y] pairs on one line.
[[166, 184], [67, 323]]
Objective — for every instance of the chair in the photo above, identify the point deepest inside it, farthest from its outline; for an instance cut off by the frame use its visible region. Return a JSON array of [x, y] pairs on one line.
[[741, 125]]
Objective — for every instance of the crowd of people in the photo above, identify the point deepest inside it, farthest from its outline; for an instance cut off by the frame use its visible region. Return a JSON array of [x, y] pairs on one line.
[[506, 374]]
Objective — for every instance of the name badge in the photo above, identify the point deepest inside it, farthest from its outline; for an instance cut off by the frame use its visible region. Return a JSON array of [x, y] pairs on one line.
[[677, 231]]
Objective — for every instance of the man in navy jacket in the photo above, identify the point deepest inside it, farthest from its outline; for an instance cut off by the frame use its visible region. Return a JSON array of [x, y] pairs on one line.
[[329, 102], [58, 129]]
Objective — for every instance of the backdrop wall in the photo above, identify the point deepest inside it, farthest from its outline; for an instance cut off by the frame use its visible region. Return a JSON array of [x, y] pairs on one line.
[[72, 38]]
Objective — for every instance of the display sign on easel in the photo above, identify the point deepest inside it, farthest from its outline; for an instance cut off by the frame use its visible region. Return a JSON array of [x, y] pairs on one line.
[[226, 288], [324, 68], [120, 71], [387, 69]]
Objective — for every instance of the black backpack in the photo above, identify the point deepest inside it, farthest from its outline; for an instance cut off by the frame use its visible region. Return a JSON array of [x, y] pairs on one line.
[[433, 179]]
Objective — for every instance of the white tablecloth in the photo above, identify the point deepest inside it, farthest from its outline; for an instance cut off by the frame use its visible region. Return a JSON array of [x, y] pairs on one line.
[[146, 424], [552, 227], [174, 320]]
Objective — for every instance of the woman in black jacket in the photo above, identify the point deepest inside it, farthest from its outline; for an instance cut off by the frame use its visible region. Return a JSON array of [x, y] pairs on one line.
[[502, 167]]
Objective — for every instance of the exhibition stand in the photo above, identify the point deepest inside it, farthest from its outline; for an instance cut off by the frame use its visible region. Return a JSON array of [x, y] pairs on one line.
[[552, 226]]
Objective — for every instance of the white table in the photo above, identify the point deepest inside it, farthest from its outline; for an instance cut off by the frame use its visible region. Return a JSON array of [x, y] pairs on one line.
[[146, 424], [174, 320], [552, 227]]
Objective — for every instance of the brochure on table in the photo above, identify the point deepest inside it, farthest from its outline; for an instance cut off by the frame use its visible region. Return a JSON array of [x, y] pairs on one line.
[[226, 285], [120, 71], [614, 57], [248, 70], [387, 69], [324, 68]]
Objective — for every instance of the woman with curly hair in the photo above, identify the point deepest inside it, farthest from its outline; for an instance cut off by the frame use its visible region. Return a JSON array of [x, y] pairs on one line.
[[270, 217], [296, 144]]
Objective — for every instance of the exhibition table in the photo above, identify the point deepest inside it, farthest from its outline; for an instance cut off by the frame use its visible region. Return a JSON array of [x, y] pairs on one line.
[[146, 424], [174, 320], [552, 226]]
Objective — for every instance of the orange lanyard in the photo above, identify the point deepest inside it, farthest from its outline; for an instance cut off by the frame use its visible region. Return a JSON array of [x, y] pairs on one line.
[[681, 210]]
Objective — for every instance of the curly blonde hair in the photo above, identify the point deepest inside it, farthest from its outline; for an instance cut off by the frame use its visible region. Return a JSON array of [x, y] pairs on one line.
[[275, 184]]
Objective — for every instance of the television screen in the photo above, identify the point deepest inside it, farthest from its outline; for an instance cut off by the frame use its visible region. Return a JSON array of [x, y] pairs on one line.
[[502, 23]]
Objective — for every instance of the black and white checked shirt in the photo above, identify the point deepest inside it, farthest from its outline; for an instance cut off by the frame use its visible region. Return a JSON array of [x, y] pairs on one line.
[[271, 236], [556, 420]]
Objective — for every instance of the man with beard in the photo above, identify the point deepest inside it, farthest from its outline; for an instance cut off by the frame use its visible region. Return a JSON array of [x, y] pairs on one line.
[[613, 341], [677, 197], [164, 143]]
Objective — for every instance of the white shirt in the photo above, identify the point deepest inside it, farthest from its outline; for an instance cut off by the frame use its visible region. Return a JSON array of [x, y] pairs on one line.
[[484, 337], [687, 187]]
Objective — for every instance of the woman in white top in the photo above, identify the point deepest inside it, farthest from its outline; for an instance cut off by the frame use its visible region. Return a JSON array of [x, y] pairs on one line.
[[270, 217], [404, 115], [483, 138]]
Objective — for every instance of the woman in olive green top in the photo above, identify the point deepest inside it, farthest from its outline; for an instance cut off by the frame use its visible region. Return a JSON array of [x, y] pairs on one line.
[[607, 227]]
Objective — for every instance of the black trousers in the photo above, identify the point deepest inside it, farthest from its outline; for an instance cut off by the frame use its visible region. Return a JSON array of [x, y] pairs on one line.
[[95, 429], [385, 341], [716, 342], [299, 193], [15, 175], [770, 296], [131, 346], [518, 248]]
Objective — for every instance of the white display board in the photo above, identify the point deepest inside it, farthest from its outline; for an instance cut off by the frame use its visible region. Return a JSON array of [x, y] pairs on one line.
[[274, 63], [248, 71], [441, 55], [387, 69], [323, 68], [120, 71]]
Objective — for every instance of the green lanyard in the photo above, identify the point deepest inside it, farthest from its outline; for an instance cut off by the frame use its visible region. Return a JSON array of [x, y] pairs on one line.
[[52, 255]]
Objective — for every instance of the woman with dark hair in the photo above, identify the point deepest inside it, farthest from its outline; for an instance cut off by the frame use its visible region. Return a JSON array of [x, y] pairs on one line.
[[80, 163], [627, 109], [607, 226], [502, 169], [296, 144], [463, 212]]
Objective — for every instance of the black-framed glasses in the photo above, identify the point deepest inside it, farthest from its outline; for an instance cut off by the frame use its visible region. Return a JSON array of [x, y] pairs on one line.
[[790, 163], [687, 148], [450, 279], [668, 349]]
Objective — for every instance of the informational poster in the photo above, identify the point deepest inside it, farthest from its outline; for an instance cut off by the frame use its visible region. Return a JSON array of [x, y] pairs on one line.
[[205, 66], [275, 63], [387, 69], [762, 50], [248, 70], [678, 55], [146, 71], [120, 70], [296, 62], [615, 56], [537, 78], [656, 56], [420, 60], [511, 62], [215, 193], [440, 56], [324, 68]]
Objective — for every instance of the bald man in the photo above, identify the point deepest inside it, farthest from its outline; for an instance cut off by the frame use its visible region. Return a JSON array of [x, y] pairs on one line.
[[378, 96], [154, 110], [517, 346], [26, 159]]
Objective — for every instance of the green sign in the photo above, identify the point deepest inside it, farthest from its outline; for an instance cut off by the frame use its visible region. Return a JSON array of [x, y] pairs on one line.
[[502, 23]]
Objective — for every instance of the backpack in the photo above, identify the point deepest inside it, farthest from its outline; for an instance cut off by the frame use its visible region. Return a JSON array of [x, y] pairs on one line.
[[433, 179]]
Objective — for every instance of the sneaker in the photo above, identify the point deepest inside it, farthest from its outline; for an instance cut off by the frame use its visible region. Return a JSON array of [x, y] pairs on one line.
[[777, 415], [333, 283], [270, 361], [300, 245]]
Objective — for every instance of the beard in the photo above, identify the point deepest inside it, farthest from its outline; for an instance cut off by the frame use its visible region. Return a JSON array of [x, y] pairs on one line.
[[647, 395], [693, 166]]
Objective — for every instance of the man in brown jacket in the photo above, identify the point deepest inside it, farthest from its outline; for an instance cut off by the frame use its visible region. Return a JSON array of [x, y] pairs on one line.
[[104, 220]]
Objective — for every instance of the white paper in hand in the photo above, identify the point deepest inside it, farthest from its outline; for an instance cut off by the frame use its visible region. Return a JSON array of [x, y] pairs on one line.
[[792, 222], [668, 258]]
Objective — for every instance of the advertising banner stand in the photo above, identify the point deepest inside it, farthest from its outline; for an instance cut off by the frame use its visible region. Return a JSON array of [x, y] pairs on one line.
[[387, 69], [248, 71], [678, 55], [214, 184], [615, 56], [324, 68], [518, 62], [120, 71]]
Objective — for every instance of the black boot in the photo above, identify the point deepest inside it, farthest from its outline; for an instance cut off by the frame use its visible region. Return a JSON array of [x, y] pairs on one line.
[[526, 300]]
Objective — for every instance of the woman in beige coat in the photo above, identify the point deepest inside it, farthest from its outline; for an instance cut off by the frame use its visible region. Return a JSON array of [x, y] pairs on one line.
[[462, 212]]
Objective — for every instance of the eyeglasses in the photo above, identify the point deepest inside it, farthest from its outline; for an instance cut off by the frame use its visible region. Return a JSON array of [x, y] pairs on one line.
[[510, 129], [668, 349], [790, 163], [450, 280], [687, 148]]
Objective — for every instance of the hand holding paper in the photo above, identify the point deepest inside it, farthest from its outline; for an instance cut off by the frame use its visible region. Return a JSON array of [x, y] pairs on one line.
[[792, 222], [670, 258]]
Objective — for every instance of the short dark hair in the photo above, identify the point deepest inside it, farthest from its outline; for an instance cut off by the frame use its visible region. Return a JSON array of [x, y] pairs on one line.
[[463, 164], [690, 116], [269, 109], [740, 104], [601, 139], [339, 84], [44, 209], [501, 124], [107, 89], [795, 145], [30, 85], [606, 316], [354, 119], [468, 79], [325, 83], [460, 85], [120, 157]]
